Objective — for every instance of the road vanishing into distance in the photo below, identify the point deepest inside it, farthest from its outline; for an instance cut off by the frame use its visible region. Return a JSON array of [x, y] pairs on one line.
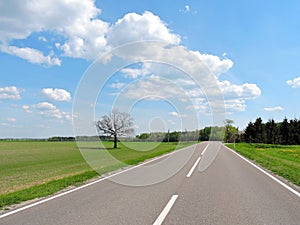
[[230, 191]]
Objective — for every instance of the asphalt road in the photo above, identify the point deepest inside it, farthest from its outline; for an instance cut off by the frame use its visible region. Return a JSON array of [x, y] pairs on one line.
[[227, 191]]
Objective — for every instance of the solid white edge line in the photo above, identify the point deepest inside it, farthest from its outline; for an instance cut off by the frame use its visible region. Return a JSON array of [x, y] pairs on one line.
[[202, 153], [193, 168], [160, 219], [266, 173], [86, 185]]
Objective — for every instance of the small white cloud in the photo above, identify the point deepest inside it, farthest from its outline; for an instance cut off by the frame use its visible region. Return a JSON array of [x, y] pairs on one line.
[[10, 92], [26, 108], [114, 93], [154, 88], [235, 105], [10, 125], [117, 85], [57, 94], [244, 91], [215, 64], [42, 38], [294, 83], [11, 119], [49, 110], [235, 96], [199, 104], [32, 55], [174, 114], [45, 106], [186, 9], [185, 82], [276, 108], [134, 73]]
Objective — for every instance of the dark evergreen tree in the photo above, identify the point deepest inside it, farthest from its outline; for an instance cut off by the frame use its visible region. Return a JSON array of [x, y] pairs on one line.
[[284, 132], [293, 135], [249, 134], [260, 131], [298, 132], [272, 132]]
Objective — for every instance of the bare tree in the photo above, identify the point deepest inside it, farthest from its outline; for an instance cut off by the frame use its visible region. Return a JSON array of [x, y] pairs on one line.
[[116, 124]]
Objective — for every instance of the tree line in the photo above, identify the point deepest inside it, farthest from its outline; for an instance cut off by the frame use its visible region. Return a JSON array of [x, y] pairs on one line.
[[120, 124], [227, 133], [174, 136], [286, 132]]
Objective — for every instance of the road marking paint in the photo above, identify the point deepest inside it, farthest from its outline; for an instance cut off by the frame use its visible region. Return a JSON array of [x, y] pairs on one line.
[[202, 153], [160, 219], [193, 168], [266, 173], [86, 185]]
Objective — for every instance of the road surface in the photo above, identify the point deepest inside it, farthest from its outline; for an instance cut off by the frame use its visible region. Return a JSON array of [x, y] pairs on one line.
[[229, 191]]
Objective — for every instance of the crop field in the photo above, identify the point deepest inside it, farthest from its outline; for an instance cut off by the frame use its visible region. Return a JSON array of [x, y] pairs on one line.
[[280, 159], [30, 169]]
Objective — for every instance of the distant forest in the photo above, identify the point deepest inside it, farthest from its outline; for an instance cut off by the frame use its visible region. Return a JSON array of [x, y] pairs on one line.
[[286, 132]]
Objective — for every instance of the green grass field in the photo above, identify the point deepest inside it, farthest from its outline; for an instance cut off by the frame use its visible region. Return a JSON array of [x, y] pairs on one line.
[[282, 160], [35, 169]]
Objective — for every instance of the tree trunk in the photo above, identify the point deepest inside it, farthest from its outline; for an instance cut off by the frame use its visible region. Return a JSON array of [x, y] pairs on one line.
[[115, 141]]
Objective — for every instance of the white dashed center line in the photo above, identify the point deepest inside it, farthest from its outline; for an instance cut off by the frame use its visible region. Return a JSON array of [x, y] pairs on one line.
[[193, 168], [160, 219]]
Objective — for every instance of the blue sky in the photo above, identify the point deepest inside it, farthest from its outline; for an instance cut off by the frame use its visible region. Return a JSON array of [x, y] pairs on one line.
[[251, 47]]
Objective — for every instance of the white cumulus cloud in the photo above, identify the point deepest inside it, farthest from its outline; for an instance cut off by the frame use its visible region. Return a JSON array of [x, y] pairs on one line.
[[215, 64], [49, 110], [76, 29], [26, 108], [294, 83], [57, 94], [31, 55], [154, 88], [76, 21], [276, 108], [117, 85], [10, 92], [12, 119], [175, 114], [244, 91], [235, 105], [134, 73], [135, 27]]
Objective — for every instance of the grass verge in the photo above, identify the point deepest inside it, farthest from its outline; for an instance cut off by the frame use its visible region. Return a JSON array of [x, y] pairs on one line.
[[32, 170], [43, 190], [281, 160]]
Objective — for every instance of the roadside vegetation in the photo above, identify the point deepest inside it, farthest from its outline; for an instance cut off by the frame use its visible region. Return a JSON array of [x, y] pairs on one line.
[[32, 169], [286, 132], [283, 160]]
